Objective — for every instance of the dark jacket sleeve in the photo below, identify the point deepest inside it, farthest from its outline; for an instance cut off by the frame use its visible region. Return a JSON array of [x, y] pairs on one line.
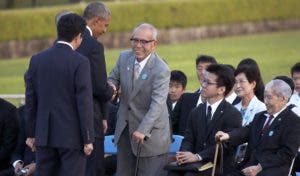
[[31, 100], [84, 101], [9, 133], [101, 90], [189, 140]]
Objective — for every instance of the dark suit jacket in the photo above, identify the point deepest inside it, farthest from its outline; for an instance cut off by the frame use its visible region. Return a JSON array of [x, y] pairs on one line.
[[59, 98], [8, 132], [22, 151], [200, 136], [180, 113], [102, 92], [276, 149]]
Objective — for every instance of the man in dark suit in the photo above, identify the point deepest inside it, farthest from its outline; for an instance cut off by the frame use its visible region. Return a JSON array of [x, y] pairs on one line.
[[59, 103], [8, 132], [208, 118], [98, 17], [22, 157], [273, 136], [189, 101], [177, 85]]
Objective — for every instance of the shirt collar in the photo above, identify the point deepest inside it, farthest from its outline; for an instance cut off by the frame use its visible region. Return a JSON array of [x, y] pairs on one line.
[[214, 106], [143, 62], [231, 97], [277, 113], [65, 43], [90, 30]]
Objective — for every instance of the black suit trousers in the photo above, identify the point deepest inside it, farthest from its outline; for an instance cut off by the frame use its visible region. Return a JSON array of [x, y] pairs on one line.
[[95, 162], [60, 162]]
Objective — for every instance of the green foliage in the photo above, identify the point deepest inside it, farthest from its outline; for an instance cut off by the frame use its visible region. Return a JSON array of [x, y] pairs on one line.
[[274, 52], [25, 24]]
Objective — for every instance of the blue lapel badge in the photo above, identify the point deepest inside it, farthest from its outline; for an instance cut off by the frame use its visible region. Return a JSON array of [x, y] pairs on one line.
[[144, 76], [271, 133]]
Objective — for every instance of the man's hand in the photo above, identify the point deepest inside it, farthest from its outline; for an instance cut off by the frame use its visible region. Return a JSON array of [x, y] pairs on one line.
[[104, 122], [115, 92], [18, 167], [31, 168], [185, 157], [88, 148], [30, 142], [252, 170], [138, 137], [221, 136]]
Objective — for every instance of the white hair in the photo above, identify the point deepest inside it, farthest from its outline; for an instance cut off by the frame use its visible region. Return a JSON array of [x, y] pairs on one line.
[[279, 88], [96, 9], [146, 26]]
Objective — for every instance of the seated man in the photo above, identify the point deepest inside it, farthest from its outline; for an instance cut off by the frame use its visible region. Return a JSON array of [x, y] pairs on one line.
[[8, 132], [189, 101], [273, 136], [177, 87], [208, 118]]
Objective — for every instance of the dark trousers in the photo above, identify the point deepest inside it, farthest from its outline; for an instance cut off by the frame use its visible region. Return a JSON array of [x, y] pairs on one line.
[[177, 173], [60, 162], [95, 162], [7, 172]]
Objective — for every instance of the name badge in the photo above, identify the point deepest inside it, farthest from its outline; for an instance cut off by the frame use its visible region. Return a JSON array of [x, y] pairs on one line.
[[144, 76], [271, 133]]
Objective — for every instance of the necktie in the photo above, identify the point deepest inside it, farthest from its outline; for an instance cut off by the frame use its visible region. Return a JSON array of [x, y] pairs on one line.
[[267, 125], [208, 114], [136, 71]]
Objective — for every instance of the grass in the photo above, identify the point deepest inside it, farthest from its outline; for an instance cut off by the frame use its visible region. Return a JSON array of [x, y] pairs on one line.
[[274, 52]]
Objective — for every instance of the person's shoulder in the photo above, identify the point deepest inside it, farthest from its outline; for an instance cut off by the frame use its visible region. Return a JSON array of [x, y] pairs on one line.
[[6, 106]]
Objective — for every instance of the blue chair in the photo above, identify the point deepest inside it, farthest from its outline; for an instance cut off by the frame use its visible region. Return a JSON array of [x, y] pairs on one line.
[[175, 145], [109, 146]]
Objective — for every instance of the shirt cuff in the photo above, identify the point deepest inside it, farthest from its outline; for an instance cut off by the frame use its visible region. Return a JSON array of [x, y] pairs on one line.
[[199, 157], [15, 163]]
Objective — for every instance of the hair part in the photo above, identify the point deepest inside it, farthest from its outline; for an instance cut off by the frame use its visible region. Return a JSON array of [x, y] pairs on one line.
[[224, 76], [70, 26], [179, 76], [295, 68], [146, 26], [96, 9], [205, 59], [279, 88]]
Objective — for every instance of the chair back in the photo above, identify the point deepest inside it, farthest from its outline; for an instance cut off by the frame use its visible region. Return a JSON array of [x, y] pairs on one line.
[[175, 145], [109, 146]]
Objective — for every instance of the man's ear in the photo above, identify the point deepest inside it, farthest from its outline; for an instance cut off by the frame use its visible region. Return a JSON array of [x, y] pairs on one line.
[[221, 90]]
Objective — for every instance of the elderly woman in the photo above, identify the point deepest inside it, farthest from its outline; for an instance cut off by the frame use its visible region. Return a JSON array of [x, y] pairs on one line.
[[246, 80]]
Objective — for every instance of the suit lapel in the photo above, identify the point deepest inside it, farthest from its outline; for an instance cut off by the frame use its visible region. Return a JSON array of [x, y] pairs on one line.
[[277, 121], [130, 69], [144, 75], [218, 114]]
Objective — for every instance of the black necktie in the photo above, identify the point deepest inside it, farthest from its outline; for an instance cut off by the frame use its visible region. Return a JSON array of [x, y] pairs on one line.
[[208, 114], [267, 125]]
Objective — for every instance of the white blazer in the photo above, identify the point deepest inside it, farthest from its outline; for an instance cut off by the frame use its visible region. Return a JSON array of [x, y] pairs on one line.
[[255, 106]]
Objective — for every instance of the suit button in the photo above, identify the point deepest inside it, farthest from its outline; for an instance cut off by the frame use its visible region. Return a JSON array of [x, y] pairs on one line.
[[204, 144], [129, 108]]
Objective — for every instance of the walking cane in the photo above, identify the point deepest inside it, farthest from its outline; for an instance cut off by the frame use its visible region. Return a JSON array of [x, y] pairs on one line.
[[219, 145], [139, 147]]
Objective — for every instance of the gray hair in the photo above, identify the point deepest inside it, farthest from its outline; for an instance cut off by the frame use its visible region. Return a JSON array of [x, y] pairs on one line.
[[61, 14], [280, 88], [146, 26], [96, 9]]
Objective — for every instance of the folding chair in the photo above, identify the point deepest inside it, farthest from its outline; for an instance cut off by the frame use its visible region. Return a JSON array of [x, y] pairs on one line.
[[175, 145], [109, 146]]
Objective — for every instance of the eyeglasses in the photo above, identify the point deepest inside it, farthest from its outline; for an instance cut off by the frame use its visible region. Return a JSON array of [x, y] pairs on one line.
[[205, 82], [135, 41]]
